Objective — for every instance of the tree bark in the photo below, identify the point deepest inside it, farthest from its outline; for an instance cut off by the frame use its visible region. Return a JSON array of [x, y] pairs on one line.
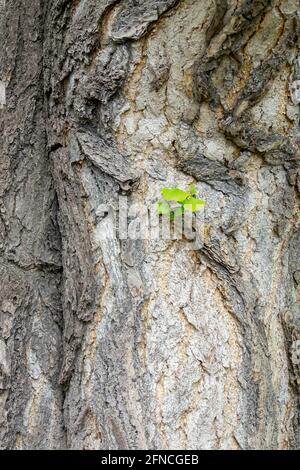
[[147, 344]]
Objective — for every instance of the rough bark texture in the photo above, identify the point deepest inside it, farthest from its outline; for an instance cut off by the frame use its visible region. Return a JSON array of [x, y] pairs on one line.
[[145, 344]]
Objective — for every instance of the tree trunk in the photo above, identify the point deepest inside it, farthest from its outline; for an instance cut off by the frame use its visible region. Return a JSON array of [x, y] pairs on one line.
[[109, 343]]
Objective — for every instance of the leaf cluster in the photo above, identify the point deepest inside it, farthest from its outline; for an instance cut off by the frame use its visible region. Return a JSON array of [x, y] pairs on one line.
[[186, 202]]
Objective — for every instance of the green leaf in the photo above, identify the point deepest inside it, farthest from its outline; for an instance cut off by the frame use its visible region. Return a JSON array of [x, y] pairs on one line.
[[174, 194], [193, 205], [193, 190], [163, 208]]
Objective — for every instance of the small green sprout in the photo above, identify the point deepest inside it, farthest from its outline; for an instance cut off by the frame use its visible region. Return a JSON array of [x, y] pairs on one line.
[[186, 200]]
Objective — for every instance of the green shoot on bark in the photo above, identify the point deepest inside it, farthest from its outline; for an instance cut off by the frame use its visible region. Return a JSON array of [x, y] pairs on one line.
[[186, 201]]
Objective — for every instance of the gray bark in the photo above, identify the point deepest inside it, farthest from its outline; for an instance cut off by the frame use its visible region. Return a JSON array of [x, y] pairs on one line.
[[109, 344]]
